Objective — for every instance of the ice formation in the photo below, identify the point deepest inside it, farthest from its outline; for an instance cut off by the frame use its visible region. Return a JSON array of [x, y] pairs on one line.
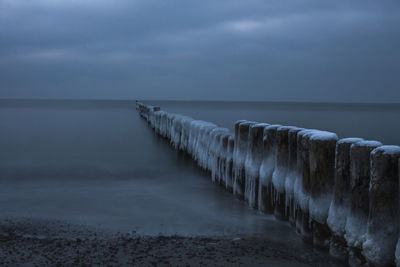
[[253, 163], [239, 156], [340, 204], [265, 197], [280, 172], [292, 174], [222, 158], [228, 180], [356, 223], [336, 192], [383, 222], [215, 150], [322, 170], [302, 186]]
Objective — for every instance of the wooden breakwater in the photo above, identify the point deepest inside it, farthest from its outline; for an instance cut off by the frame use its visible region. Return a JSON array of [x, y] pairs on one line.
[[339, 194]]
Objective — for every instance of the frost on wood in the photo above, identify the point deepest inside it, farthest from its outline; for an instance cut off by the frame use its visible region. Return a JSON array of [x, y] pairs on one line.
[[293, 175], [265, 198], [322, 169], [239, 157], [356, 223], [253, 163], [302, 188], [229, 164], [280, 172], [340, 204], [382, 229]]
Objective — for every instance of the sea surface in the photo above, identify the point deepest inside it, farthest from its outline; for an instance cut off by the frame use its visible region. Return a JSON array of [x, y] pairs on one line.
[[98, 163]]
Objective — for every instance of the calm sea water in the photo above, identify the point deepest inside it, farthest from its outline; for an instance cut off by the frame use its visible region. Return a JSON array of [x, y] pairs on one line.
[[98, 163]]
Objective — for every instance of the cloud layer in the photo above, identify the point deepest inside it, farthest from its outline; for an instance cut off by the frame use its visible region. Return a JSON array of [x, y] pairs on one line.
[[218, 50]]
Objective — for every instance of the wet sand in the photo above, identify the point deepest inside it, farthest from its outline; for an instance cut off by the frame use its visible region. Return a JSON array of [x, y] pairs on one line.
[[54, 243]]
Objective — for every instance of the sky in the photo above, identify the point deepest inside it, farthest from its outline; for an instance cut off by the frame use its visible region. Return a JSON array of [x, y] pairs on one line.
[[253, 50]]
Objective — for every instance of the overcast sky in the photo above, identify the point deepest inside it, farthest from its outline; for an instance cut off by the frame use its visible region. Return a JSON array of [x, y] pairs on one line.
[[210, 49]]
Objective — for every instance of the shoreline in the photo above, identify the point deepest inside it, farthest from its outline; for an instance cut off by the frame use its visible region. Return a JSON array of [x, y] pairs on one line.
[[55, 243]]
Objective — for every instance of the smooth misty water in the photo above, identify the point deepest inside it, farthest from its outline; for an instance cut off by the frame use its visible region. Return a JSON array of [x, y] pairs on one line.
[[97, 163]]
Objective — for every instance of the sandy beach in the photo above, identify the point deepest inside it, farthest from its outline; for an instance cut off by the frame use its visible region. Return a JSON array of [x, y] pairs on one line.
[[54, 243]]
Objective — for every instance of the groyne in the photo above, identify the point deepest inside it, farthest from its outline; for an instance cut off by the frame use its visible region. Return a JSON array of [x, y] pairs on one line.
[[341, 195]]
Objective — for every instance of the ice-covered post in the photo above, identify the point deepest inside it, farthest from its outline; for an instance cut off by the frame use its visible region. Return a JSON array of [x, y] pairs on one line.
[[197, 150], [322, 172], [356, 223], [164, 124], [203, 144], [184, 143], [229, 164], [193, 136], [302, 189], [265, 197], [280, 172], [156, 115], [292, 174], [214, 150], [397, 253], [170, 118], [239, 158], [176, 130], [160, 116], [382, 228], [253, 162], [340, 204], [221, 165], [151, 115]]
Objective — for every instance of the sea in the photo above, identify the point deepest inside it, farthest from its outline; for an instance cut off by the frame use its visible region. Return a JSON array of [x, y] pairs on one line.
[[97, 163]]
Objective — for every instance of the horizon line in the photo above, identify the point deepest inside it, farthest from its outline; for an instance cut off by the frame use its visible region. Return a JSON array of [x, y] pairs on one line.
[[198, 100]]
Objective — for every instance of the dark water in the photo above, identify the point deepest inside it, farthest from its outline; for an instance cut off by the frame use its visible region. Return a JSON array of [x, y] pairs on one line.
[[98, 163]]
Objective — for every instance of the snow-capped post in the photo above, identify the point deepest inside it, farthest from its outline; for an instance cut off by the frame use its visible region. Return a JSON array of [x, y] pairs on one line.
[[280, 172], [184, 143], [356, 223], [253, 163], [229, 165], [221, 160], [239, 158], [292, 174], [397, 253], [383, 222], [151, 115], [176, 130], [206, 145], [194, 137], [163, 123], [298, 183], [144, 111], [303, 188], [340, 204], [156, 114], [236, 138], [170, 117], [322, 173], [215, 150], [265, 197], [159, 119]]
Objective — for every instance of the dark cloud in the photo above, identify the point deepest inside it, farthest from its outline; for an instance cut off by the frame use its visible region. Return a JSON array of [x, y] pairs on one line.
[[232, 50]]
